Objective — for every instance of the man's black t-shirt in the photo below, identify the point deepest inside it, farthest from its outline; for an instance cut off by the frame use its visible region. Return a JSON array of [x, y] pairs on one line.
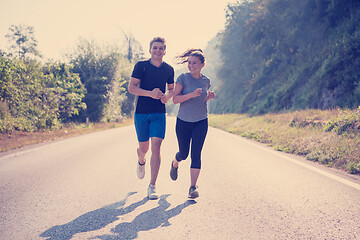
[[152, 77]]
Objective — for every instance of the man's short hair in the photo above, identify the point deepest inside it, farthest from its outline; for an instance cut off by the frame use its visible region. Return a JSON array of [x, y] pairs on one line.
[[158, 39]]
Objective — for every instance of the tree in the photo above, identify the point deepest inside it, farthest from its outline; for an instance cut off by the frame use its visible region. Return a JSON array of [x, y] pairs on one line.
[[35, 96], [103, 71], [22, 40], [65, 90], [134, 51], [289, 54]]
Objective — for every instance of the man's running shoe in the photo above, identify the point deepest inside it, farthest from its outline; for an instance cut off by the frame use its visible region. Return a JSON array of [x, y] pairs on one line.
[[140, 170], [152, 192]]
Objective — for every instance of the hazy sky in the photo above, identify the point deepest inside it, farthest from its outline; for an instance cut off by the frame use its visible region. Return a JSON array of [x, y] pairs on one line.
[[58, 24]]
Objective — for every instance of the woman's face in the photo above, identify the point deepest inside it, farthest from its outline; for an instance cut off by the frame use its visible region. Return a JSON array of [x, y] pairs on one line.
[[195, 65]]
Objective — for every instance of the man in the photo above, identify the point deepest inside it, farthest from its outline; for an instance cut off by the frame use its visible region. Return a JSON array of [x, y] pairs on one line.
[[148, 82]]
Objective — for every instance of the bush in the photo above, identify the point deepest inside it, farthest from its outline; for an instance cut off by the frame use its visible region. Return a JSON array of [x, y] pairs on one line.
[[347, 122], [35, 96]]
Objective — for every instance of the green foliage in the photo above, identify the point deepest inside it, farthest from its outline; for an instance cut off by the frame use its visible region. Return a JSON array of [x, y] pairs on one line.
[[66, 90], [347, 122], [105, 74], [22, 40], [34, 96], [288, 54], [120, 102], [38, 95], [303, 133], [134, 51], [353, 167]]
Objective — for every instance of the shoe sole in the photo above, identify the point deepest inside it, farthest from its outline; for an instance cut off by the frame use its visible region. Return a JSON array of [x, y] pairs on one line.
[[193, 195], [153, 197]]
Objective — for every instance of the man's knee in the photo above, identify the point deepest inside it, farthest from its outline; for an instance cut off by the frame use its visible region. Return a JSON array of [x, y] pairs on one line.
[[144, 146], [156, 144]]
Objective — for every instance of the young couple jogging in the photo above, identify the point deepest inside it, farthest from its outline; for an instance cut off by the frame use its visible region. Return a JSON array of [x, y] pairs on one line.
[[149, 81]]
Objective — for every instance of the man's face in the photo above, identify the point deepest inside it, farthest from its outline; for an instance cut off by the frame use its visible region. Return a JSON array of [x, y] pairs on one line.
[[157, 50]]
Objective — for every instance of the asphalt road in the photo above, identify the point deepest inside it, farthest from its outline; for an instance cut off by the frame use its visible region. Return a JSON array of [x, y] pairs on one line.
[[86, 188]]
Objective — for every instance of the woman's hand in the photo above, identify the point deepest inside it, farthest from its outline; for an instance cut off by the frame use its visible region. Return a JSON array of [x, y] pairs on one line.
[[164, 98], [197, 92], [210, 95]]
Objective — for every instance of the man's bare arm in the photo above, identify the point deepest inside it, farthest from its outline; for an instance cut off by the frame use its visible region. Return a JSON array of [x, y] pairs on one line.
[[134, 88]]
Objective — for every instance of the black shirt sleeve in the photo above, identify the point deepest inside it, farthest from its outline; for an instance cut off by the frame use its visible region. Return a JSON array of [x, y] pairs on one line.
[[138, 71]]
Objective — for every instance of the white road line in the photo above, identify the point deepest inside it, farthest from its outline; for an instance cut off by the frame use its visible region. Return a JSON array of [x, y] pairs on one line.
[[298, 162]]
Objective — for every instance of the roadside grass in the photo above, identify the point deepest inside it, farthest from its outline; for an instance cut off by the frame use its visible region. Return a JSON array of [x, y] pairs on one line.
[[17, 139], [330, 137]]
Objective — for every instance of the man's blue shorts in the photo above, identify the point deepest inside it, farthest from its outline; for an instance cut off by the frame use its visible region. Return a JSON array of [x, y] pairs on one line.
[[150, 125]]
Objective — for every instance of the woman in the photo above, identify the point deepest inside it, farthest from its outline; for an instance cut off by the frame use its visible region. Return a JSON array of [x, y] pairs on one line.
[[192, 92]]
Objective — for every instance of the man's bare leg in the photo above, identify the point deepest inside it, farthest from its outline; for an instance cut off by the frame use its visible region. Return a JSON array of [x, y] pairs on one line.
[[155, 158], [142, 150]]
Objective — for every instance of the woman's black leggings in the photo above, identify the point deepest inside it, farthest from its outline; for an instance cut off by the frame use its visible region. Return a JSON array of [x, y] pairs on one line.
[[194, 132]]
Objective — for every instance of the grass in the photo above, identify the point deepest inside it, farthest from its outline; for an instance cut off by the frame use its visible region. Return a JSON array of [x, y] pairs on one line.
[[330, 137], [19, 139]]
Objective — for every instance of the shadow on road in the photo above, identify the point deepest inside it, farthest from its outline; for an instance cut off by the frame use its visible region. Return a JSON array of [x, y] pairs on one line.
[[100, 218], [151, 219], [91, 221]]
